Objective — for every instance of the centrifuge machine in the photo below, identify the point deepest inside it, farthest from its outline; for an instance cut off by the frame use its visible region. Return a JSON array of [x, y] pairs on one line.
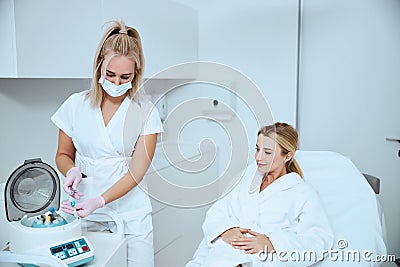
[[31, 223]]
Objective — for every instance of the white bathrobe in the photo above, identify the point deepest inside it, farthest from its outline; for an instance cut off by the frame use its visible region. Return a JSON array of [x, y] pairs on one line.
[[288, 211]]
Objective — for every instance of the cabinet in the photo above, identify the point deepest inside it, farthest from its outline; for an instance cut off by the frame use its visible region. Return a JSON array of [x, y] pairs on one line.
[[58, 39], [8, 61], [168, 31], [177, 230]]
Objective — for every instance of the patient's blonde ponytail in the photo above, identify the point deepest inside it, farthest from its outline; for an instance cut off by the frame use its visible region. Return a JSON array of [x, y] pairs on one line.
[[293, 166], [287, 138]]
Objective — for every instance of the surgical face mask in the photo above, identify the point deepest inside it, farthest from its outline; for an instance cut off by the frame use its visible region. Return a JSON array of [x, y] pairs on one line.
[[112, 89]]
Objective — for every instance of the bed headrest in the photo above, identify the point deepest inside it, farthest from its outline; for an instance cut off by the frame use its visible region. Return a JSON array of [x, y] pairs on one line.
[[349, 201]]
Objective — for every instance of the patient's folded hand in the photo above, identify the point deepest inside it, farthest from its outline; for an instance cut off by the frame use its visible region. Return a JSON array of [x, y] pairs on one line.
[[253, 244], [233, 234]]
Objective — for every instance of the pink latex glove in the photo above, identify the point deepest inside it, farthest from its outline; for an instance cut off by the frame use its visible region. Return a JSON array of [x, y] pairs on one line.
[[71, 181], [85, 207]]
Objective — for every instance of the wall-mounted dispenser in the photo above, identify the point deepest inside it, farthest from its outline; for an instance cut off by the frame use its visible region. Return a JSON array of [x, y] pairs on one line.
[[160, 101]]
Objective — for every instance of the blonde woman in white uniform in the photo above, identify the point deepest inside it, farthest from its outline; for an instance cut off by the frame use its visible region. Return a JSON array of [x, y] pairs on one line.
[[96, 139], [271, 210]]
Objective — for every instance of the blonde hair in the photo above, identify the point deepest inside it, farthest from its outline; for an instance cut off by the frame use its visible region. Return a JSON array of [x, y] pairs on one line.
[[118, 39], [287, 138]]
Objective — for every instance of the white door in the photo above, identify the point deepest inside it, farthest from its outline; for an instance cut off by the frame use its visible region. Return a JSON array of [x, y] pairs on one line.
[[350, 91]]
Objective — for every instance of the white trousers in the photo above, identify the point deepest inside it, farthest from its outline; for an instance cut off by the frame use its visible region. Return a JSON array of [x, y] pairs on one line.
[[140, 247]]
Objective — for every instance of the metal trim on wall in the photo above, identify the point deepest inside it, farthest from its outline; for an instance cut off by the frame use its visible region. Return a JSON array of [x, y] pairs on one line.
[[298, 63]]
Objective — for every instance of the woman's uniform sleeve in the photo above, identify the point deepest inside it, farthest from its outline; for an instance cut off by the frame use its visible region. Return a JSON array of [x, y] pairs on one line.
[[64, 116], [152, 122]]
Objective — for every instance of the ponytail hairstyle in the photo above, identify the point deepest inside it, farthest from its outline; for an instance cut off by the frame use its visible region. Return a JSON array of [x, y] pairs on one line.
[[118, 40], [287, 138]]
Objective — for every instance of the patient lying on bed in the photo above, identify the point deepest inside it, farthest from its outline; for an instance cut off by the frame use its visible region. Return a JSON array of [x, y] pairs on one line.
[[271, 216]]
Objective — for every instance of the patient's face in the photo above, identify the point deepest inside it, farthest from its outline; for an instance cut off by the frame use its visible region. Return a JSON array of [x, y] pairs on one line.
[[269, 156]]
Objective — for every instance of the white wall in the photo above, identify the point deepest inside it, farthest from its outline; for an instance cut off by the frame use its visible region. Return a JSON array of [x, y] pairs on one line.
[[260, 40], [350, 90], [26, 106]]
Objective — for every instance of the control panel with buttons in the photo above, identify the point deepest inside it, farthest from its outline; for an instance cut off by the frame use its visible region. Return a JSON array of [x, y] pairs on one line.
[[77, 251]]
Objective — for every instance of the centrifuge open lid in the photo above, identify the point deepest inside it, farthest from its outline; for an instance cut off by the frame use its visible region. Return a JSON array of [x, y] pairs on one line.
[[32, 189]]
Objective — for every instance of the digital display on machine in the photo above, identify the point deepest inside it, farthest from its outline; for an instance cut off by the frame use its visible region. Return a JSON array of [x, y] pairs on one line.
[[69, 246], [56, 250]]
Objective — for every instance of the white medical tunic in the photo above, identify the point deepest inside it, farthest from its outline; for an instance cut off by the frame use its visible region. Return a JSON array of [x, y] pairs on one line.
[[288, 211], [104, 153]]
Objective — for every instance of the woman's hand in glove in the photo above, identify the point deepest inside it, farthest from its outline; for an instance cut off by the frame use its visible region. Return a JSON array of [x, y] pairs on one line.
[[72, 179], [85, 207]]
